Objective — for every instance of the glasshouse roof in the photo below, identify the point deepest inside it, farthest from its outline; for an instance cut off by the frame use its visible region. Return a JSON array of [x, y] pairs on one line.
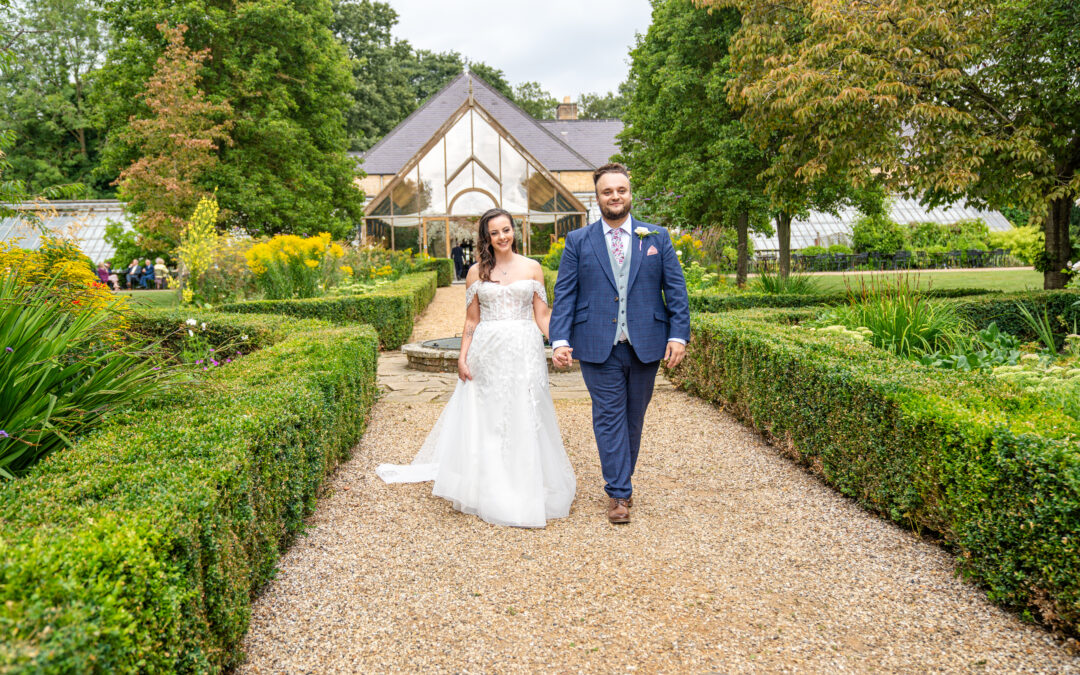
[[824, 229], [84, 220]]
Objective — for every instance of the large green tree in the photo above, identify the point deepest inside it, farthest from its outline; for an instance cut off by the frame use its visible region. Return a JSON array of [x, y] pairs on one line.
[[534, 100], [288, 80], [683, 142], [612, 105], [949, 100], [55, 44]]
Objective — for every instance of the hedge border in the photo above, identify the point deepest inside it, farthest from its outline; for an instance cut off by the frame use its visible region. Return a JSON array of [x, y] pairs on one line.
[[139, 549], [443, 267], [707, 302], [390, 309], [987, 466]]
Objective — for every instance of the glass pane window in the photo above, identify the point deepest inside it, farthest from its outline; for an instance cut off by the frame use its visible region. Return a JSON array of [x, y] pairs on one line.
[[471, 202], [515, 176], [432, 171], [485, 143], [541, 193], [405, 197], [459, 142]]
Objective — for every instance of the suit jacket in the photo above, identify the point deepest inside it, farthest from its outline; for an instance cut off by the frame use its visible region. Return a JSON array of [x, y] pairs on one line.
[[585, 311]]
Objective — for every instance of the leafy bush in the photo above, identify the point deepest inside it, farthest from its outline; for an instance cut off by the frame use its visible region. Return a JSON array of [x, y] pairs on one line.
[[840, 249], [64, 370], [987, 349], [709, 301], [554, 254], [550, 276], [878, 233], [367, 263], [443, 267], [793, 284], [1055, 384], [389, 308], [814, 250], [688, 249], [1025, 243], [1062, 308], [288, 266], [147, 540], [990, 468], [699, 278]]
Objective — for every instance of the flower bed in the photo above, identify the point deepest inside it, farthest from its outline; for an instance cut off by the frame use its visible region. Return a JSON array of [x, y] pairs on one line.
[[991, 468], [389, 308], [139, 549]]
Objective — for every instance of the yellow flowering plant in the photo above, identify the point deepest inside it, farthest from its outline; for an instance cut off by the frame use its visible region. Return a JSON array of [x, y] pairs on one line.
[[197, 246], [290, 266]]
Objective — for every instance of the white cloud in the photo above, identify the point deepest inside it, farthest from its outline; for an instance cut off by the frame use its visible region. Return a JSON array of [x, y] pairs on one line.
[[569, 46]]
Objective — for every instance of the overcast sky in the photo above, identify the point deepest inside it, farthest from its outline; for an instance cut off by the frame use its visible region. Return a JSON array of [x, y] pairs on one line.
[[569, 46]]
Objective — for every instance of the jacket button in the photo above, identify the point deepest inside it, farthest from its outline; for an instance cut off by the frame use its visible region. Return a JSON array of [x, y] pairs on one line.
[[616, 299], [613, 321]]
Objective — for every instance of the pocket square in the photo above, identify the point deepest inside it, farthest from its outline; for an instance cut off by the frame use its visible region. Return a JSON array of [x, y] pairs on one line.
[[652, 251]]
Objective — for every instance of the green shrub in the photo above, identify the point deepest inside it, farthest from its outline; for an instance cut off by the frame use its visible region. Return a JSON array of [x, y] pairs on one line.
[[554, 255], [1025, 243], [146, 541], [707, 302], [840, 249], [390, 308], [1000, 308], [443, 267], [990, 468], [878, 233], [906, 324], [550, 276], [793, 284], [814, 250]]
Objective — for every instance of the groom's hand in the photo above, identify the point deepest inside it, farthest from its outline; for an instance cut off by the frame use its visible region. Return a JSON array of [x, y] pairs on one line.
[[675, 353], [561, 357]]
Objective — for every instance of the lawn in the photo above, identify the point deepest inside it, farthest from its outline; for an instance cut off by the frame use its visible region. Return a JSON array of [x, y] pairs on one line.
[[165, 298], [1002, 280]]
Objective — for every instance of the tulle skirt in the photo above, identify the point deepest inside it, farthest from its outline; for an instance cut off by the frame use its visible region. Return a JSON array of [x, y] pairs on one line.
[[496, 451]]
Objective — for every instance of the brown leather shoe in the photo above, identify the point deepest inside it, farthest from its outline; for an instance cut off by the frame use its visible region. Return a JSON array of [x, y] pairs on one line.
[[618, 510]]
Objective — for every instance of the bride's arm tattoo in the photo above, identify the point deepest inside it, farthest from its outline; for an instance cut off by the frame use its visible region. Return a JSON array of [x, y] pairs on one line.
[[469, 331]]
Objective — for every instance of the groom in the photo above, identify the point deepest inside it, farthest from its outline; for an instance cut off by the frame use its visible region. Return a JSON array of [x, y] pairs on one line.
[[620, 306]]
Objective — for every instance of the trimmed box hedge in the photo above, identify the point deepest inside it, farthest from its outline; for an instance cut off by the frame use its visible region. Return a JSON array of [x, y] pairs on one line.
[[989, 467], [1001, 308], [443, 267], [708, 302], [140, 548], [390, 308]]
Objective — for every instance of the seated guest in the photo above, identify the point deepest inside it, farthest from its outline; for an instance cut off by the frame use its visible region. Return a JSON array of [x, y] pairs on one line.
[[103, 273], [161, 273], [133, 274], [147, 280], [114, 280]]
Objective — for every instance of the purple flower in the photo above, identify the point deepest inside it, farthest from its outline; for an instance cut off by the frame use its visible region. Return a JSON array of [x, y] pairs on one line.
[[206, 369], [211, 349], [8, 349], [228, 360], [198, 362], [4, 434], [156, 368]]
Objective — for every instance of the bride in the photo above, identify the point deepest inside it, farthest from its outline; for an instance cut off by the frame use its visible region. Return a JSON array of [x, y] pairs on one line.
[[496, 451]]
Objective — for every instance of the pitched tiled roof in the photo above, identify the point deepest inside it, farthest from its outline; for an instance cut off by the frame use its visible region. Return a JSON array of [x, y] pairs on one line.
[[593, 139], [390, 154]]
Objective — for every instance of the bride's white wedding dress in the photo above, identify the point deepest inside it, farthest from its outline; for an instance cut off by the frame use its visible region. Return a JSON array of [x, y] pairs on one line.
[[496, 451]]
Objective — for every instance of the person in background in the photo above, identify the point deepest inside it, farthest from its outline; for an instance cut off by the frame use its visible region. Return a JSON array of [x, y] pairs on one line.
[[457, 254], [147, 280], [114, 279], [133, 274], [103, 273], [161, 273]]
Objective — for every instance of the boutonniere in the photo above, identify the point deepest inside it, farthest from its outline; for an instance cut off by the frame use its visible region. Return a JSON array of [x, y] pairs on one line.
[[641, 233]]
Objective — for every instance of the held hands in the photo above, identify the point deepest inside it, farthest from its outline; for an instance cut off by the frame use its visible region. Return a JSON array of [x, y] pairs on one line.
[[463, 370], [675, 353], [561, 357]]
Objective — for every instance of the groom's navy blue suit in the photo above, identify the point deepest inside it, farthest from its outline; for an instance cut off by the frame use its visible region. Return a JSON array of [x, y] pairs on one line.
[[586, 314]]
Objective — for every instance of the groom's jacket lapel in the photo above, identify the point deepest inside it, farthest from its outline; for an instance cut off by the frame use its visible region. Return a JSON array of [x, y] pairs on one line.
[[599, 246], [637, 255]]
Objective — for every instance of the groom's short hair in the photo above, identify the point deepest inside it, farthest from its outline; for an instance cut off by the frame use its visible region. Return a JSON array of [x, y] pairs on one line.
[[610, 167]]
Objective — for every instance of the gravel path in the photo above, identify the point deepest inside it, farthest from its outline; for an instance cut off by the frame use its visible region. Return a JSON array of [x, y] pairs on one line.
[[736, 561]]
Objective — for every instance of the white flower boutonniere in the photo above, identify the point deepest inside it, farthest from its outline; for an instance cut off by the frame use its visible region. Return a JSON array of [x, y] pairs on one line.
[[642, 232]]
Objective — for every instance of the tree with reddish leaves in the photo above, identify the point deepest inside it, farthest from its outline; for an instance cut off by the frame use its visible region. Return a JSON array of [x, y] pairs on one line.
[[177, 142]]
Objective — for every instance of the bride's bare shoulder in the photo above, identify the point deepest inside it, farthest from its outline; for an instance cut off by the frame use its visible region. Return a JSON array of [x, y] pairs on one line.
[[473, 275]]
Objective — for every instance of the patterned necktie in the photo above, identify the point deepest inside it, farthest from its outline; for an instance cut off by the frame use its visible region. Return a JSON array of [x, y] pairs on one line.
[[617, 249]]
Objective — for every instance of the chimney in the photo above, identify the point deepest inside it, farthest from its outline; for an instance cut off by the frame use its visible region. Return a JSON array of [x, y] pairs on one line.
[[566, 110]]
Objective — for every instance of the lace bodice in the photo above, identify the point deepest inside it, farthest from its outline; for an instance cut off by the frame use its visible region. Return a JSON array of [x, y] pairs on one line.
[[500, 302]]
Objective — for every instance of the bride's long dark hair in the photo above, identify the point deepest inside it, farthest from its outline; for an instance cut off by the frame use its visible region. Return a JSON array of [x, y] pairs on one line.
[[485, 249]]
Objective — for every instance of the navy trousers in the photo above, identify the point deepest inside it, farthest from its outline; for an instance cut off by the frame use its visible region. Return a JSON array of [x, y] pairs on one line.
[[621, 389]]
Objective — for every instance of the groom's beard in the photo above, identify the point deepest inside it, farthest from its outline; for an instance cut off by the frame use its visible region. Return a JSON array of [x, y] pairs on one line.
[[616, 214]]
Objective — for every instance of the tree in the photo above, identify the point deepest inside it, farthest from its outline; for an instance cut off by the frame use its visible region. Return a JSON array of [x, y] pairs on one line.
[[177, 144], [43, 94], [288, 81], [493, 76], [534, 100], [683, 142], [605, 106], [943, 99]]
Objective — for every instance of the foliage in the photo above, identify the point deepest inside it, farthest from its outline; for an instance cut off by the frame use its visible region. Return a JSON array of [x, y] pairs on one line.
[[939, 99], [878, 233], [989, 468], [374, 262], [777, 284], [693, 162], [59, 263], [1025, 243], [699, 278], [64, 370], [43, 93], [228, 277], [533, 99], [197, 246], [389, 308], [145, 546], [443, 267], [288, 266], [961, 235], [177, 144], [554, 254], [1040, 325], [904, 323], [287, 81], [612, 105], [840, 249], [126, 245], [1057, 385], [814, 250], [1062, 308], [988, 348], [687, 248]]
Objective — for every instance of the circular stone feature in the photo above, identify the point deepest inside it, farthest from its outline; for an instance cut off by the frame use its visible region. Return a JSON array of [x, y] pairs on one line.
[[441, 355]]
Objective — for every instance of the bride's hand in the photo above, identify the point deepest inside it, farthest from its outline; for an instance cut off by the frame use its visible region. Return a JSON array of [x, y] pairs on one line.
[[463, 371]]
